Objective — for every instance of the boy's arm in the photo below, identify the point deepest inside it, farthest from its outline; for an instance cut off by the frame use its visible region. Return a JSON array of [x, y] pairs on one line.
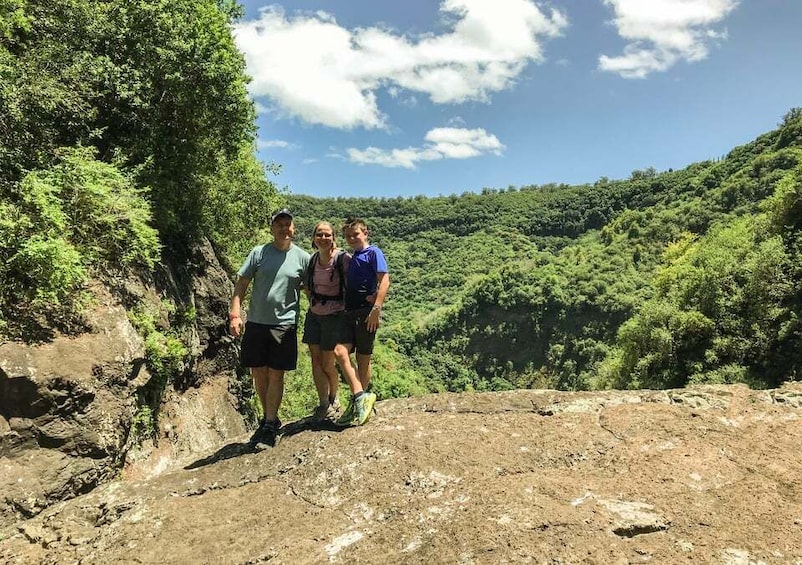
[[374, 317], [383, 284]]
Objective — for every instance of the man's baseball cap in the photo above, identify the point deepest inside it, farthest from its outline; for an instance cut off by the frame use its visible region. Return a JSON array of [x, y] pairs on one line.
[[282, 212]]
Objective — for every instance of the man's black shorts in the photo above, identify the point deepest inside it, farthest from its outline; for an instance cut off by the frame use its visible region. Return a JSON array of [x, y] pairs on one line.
[[275, 347], [360, 336]]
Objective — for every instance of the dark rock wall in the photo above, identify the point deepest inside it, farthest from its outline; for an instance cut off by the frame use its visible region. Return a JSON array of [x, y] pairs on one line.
[[67, 406]]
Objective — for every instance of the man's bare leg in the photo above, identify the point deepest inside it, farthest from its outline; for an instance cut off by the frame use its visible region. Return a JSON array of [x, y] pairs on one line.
[[259, 376], [275, 392]]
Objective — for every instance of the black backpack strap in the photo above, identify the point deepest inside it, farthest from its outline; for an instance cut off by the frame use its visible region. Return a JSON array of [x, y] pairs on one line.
[[309, 275], [338, 263]]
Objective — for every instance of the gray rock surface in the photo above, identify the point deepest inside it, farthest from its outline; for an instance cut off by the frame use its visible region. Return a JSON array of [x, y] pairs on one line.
[[67, 405], [512, 477]]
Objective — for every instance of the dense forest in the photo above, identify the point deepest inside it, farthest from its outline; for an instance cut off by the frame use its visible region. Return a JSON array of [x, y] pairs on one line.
[[126, 132], [658, 280]]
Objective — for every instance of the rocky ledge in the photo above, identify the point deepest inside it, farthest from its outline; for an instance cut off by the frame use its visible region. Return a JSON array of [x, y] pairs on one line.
[[700, 475]]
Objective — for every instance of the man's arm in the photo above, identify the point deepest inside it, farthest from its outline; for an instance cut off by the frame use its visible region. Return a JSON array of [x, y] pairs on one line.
[[307, 275], [235, 323], [374, 318]]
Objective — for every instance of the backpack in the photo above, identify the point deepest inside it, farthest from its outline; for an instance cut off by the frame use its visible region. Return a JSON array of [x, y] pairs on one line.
[[309, 279]]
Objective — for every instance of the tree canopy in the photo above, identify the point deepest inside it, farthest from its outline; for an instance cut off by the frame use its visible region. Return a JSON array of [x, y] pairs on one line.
[[126, 128], [659, 280], [142, 105]]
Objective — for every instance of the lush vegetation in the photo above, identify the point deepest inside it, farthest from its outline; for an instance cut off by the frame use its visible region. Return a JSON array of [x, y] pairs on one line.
[[659, 280], [165, 356], [76, 214], [125, 126], [126, 129]]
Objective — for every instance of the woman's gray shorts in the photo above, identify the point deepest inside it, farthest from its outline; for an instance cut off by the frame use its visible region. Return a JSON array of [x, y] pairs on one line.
[[326, 331]]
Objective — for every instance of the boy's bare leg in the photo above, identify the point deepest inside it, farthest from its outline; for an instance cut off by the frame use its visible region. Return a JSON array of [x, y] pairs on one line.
[[363, 366]]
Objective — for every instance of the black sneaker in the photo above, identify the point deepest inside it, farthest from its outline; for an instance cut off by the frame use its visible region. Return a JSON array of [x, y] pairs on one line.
[[266, 434]]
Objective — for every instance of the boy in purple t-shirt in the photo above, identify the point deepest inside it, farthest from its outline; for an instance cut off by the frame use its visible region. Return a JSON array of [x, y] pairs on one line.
[[367, 282]]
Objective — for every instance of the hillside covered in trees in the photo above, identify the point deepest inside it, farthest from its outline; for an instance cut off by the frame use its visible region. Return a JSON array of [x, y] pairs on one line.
[[659, 280], [127, 133]]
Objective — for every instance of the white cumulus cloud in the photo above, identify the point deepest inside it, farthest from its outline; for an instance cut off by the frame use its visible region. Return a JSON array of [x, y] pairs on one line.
[[663, 32], [440, 143], [312, 68]]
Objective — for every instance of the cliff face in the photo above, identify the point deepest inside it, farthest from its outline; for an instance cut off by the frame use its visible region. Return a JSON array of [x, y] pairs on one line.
[[67, 406], [702, 475]]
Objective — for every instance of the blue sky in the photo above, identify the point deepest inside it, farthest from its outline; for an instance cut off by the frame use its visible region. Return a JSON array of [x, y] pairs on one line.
[[376, 98]]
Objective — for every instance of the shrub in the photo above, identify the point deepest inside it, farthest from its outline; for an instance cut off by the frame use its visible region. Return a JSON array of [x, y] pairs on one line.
[[57, 225]]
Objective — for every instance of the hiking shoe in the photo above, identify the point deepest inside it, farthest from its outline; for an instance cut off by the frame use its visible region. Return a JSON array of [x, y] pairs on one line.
[[266, 434], [348, 417], [323, 413], [364, 407]]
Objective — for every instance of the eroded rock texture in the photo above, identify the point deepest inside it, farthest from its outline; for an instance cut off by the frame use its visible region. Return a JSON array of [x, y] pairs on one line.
[[67, 406], [703, 475]]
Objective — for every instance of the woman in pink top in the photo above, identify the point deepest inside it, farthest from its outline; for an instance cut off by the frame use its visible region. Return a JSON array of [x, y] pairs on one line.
[[326, 329]]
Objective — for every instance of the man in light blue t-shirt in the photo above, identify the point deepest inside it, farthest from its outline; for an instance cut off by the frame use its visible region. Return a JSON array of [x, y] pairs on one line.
[[269, 341]]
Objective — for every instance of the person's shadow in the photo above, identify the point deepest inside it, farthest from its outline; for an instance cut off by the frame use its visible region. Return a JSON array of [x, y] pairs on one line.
[[236, 449]]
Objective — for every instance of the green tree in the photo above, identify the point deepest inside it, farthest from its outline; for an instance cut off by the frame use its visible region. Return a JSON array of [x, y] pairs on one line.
[[157, 87]]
